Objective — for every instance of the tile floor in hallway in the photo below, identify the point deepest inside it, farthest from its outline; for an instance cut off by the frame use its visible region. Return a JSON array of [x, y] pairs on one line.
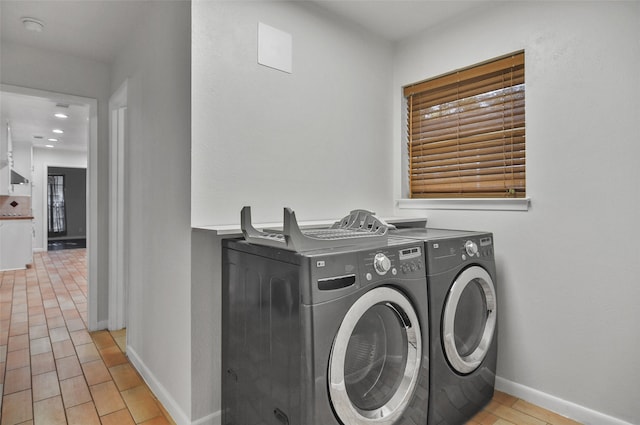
[[52, 371]]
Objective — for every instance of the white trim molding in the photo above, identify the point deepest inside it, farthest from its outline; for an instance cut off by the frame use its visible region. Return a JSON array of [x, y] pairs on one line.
[[562, 407], [160, 392], [118, 286], [214, 418], [101, 325], [485, 204]]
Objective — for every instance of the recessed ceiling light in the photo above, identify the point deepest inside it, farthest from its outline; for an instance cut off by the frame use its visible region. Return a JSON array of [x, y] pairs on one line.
[[49, 146], [32, 24], [52, 140], [57, 131], [61, 115]]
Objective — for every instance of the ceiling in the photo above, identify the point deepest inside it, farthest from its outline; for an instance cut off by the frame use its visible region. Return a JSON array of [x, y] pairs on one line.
[[32, 121], [89, 29], [98, 29], [398, 19]]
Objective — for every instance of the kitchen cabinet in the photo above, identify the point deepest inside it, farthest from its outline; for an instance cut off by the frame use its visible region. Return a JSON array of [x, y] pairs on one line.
[[16, 249]]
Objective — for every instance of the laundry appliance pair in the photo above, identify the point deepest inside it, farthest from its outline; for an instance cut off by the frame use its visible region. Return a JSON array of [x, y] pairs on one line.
[[336, 326]]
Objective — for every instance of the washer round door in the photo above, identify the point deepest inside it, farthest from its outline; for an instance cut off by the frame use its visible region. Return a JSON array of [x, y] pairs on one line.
[[469, 319], [375, 359]]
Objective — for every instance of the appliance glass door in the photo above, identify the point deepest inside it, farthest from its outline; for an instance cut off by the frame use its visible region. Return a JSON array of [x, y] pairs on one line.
[[469, 319], [375, 359]]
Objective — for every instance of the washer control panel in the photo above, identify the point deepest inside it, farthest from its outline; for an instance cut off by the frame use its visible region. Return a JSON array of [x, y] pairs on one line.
[[411, 259], [381, 263], [405, 262]]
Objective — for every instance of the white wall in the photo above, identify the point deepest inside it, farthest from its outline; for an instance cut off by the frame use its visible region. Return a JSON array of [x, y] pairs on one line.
[[33, 68], [42, 159], [569, 267], [156, 62], [316, 140]]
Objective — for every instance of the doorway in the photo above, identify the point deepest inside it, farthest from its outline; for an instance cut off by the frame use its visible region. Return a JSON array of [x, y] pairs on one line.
[[62, 152]]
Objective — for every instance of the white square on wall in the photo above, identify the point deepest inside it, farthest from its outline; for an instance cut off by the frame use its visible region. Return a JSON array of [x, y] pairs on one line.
[[274, 48]]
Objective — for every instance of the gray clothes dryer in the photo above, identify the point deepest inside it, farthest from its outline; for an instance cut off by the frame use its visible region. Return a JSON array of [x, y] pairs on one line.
[[461, 279], [326, 337]]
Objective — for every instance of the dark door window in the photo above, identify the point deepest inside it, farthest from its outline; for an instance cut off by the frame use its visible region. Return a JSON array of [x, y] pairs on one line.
[[56, 207]]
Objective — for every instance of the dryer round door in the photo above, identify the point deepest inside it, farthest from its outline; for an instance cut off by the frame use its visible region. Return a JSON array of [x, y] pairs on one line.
[[375, 359], [469, 319]]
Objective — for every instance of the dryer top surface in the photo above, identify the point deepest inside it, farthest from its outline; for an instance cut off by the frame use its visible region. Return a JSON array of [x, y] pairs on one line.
[[428, 234]]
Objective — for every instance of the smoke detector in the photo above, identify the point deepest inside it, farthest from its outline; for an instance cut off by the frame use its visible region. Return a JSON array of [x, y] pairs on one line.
[[32, 24]]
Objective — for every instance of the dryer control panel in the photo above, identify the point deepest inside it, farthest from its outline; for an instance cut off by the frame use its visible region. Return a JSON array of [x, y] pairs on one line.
[[445, 254]]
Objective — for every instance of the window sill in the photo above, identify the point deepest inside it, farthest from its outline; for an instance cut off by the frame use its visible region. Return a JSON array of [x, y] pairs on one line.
[[484, 204]]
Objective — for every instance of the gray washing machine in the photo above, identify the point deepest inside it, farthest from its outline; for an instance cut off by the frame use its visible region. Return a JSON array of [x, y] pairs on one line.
[[325, 337], [461, 279]]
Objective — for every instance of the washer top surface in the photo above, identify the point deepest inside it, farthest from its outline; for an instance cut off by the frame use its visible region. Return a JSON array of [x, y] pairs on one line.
[[358, 247]]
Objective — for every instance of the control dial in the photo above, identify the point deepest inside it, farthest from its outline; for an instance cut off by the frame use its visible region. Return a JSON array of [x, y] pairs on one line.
[[471, 247], [381, 263]]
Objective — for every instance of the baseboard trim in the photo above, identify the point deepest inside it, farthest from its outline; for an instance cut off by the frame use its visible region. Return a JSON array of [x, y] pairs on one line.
[[158, 389], [214, 418], [100, 326], [563, 407]]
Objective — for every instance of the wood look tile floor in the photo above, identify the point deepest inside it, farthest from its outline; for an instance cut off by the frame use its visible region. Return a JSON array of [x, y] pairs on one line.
[[52, 371]]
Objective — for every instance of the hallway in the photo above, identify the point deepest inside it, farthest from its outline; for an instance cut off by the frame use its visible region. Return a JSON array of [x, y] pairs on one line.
[[52, 371]]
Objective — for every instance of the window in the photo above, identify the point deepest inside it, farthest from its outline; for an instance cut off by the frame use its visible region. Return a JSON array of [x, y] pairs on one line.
[[466, 132], [57, 216]]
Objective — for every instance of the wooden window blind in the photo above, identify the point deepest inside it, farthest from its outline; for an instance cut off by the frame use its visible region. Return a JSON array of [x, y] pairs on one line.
[[466, 132]]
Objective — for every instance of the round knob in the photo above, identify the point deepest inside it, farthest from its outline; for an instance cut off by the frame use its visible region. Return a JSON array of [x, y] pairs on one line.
[[471, 247], [381, 263]]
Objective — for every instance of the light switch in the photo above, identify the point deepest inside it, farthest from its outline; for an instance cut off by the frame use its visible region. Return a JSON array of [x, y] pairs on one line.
[[274, 48]]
